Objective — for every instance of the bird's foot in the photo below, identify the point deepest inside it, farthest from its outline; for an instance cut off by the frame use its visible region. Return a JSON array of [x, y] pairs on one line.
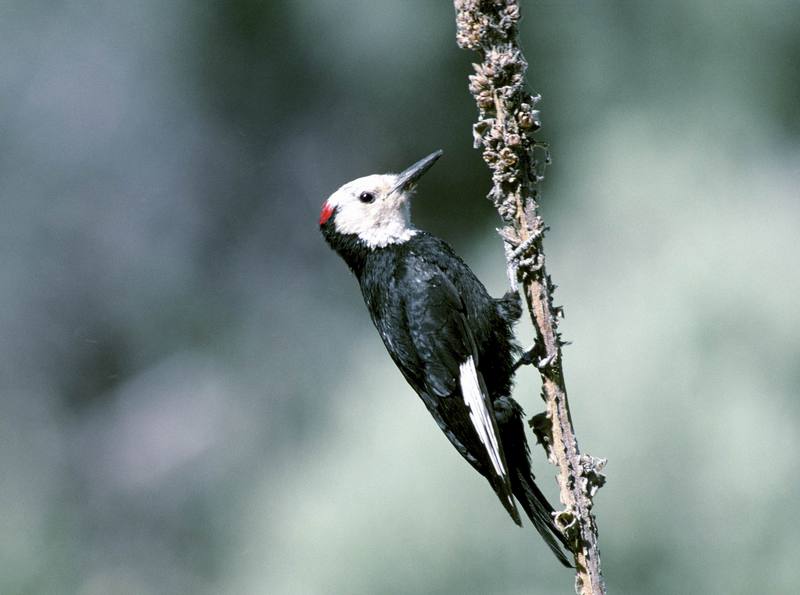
[[546, 361], [531, 357], [535, 357], [525, 359]]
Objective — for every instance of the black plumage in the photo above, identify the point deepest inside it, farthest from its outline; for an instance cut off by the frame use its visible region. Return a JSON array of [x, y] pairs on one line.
[[435, 317]]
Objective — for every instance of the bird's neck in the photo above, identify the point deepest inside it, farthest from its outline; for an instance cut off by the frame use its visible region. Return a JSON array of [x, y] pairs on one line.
[[349, 246]]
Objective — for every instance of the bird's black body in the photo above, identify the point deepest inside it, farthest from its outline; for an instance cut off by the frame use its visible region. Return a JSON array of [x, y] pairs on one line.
[[454, 345]]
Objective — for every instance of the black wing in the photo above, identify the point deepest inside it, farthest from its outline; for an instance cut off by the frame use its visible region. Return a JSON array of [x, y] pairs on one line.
[[439, 358]]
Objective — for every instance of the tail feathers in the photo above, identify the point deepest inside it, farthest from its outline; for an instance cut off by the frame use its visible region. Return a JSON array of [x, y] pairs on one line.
[[508, 502], [539, 512]]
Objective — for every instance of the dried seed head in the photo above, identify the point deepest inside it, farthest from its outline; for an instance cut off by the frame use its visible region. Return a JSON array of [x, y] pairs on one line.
[[484, 99], [508, 91], [478, 131], [478, 83], [512, 12], [508, 156], [527, 118]]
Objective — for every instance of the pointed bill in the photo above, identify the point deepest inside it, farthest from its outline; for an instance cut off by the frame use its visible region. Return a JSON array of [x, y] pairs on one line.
[[407, 178]]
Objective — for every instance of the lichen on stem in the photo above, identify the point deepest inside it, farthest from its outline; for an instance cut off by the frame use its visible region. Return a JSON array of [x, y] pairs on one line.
[[504, 131]]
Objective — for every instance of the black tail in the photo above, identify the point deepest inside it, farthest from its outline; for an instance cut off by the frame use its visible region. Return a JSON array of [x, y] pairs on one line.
[[533, 502], [539, 512]]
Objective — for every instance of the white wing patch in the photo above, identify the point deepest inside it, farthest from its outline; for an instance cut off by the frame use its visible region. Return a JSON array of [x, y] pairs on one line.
[[478, 414]]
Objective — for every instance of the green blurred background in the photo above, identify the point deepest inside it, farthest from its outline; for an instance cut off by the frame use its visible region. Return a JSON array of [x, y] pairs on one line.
[[193, 399]]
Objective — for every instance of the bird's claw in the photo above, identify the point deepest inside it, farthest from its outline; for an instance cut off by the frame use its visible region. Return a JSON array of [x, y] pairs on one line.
[[526, 359], [546, 361], [533, 356]]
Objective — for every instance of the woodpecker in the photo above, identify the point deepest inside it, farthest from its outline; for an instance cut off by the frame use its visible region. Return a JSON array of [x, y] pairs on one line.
[[452, 342]]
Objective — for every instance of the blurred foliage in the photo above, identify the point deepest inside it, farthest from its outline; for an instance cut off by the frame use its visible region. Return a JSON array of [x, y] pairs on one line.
[[193, 398]]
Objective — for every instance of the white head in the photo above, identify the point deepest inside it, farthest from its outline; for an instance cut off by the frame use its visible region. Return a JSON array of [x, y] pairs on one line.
[[376, 208]]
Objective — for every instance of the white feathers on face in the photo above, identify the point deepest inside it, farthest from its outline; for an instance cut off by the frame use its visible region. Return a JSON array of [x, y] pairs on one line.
[[368, 208]]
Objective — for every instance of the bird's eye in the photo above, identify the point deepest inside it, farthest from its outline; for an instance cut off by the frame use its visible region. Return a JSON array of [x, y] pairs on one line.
[[366, 197]]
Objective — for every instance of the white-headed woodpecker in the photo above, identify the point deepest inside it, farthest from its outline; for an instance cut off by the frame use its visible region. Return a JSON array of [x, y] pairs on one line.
[[452, 341]]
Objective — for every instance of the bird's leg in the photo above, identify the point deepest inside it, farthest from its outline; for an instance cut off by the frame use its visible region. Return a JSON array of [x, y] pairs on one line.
[[537, 355], [525, 359], [533, 356]]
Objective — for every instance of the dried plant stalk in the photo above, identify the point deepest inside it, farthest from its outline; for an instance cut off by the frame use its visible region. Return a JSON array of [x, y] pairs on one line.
[[504, 131]]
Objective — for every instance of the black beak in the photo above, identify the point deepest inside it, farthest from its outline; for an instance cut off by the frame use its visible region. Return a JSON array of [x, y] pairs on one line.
[[407, 178]]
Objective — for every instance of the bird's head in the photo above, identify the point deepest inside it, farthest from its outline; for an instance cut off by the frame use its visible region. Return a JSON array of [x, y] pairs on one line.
[[375, 209]]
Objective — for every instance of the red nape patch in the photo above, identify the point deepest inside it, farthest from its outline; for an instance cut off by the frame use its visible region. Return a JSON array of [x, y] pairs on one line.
[[327, 211]]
